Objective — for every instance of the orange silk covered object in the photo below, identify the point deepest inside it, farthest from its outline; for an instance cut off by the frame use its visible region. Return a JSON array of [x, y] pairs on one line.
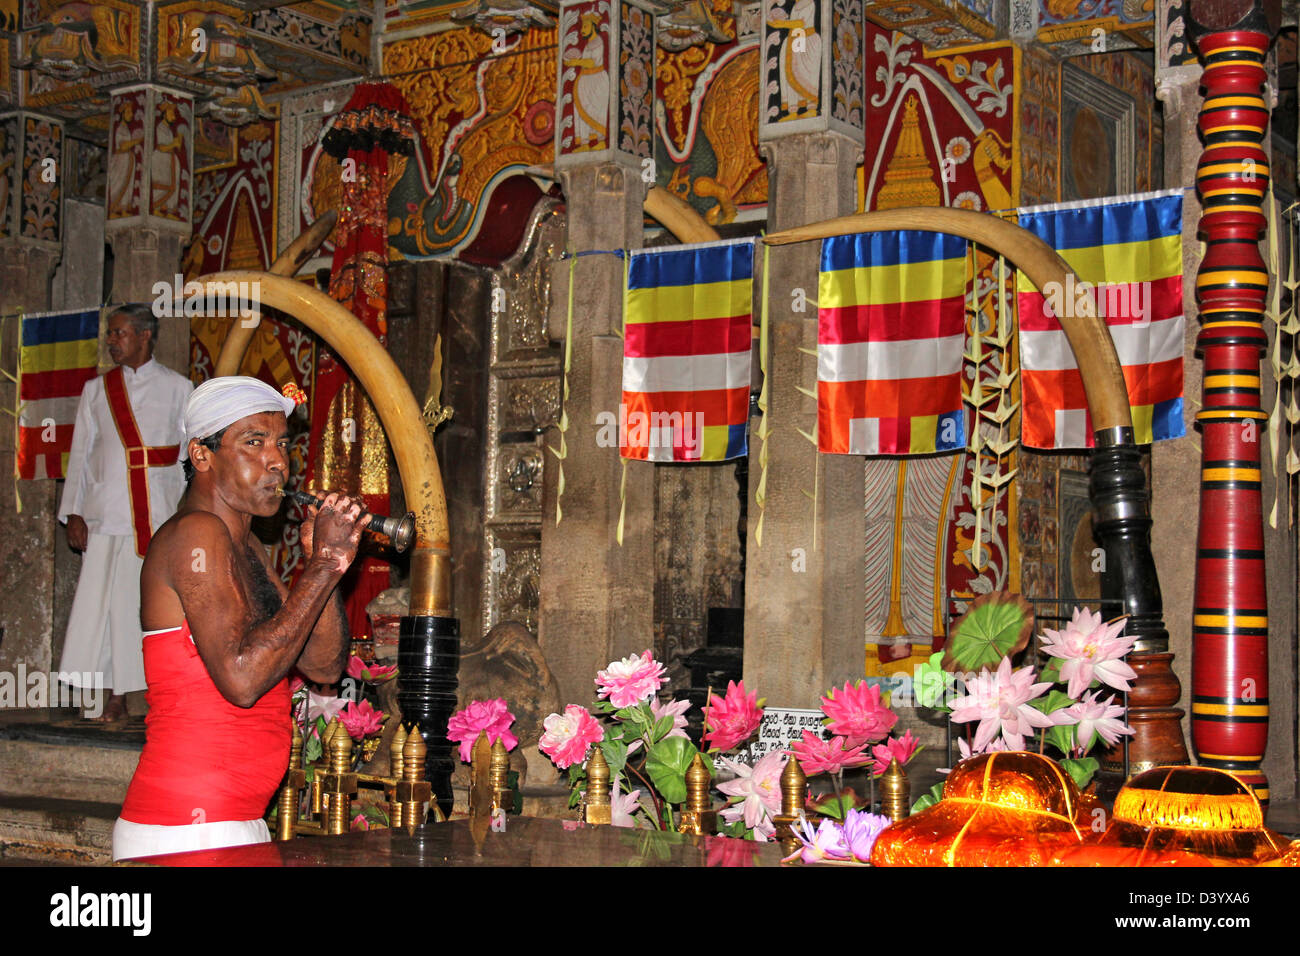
[[1184, 816], [999, 809]]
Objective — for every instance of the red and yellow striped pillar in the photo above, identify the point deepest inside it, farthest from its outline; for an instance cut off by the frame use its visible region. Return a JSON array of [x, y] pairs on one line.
[[1230, 619]]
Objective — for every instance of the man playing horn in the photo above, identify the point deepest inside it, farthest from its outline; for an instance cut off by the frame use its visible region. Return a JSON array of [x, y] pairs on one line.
[[222, 632]]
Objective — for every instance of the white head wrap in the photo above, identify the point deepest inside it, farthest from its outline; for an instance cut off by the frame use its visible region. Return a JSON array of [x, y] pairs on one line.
[[219, 402]]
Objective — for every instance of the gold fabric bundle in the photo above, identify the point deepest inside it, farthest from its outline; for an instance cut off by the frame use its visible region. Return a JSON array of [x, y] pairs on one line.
[[1185, 816], [999, 809]]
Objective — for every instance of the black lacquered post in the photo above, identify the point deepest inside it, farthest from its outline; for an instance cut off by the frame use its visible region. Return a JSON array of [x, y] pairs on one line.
[[428, 658]]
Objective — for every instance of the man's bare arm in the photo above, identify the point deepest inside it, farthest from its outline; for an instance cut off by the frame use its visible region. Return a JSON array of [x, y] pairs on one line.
[[245, 658], [326, 654]]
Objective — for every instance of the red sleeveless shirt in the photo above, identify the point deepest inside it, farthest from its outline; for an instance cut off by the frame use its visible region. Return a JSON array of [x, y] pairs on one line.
[[205, 760]]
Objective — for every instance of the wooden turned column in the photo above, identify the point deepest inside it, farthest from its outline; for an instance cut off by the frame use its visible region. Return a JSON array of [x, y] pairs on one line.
[[1230, 618], [1129, 585]]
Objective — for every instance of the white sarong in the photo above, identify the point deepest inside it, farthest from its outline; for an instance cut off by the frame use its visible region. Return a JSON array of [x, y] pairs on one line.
[[104, 633], [134, 840]]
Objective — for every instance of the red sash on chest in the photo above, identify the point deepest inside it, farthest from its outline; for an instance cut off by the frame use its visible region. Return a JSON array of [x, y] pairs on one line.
[[139, 457]]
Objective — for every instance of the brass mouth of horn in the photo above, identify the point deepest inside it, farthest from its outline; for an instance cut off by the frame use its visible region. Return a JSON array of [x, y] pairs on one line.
[[400, 531]]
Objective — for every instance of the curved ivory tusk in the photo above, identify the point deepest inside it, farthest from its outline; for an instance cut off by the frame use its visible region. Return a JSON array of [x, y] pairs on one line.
[[678, 217], [286, 264], [1094, 350], [401, 417]]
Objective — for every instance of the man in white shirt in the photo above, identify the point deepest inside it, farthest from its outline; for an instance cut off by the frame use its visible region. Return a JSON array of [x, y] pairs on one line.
[[124, 480]]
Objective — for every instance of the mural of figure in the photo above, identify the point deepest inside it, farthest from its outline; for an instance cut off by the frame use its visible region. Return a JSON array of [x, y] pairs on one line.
[[121, 163], [591, 89], [800, 59], [165, 163]]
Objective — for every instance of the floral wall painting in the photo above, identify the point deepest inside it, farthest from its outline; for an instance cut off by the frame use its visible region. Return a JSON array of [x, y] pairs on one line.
[[584, 83], [636, 79], [40, 213]]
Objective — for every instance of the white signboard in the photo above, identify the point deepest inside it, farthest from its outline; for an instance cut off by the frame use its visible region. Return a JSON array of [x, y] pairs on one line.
[[781, 727]]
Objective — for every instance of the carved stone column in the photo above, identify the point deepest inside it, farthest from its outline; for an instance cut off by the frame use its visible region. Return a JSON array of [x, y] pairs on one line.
[[148, 203], [31, 233], [597, 600], [804, 584]]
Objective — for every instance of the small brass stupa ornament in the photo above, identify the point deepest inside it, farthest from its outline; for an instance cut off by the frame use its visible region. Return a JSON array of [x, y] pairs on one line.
[[698, 816], [895, 792], [598, 810]]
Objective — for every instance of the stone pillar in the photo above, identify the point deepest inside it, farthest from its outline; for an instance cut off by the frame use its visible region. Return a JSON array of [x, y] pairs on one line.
[[597, 600], [804, 598], [148, 203], [31, 232]]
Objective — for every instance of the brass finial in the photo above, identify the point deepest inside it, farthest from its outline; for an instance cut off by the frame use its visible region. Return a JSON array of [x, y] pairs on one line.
[[895, 792], [295, 777], [395, 771], [698, 816], [413, 791], [793, 784], [501, 799], [339, 783], [598, 809]]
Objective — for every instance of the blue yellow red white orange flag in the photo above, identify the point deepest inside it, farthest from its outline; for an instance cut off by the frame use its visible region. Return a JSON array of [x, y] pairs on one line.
[[686, 352], [891, 332], [58, 353], [1127, 254]]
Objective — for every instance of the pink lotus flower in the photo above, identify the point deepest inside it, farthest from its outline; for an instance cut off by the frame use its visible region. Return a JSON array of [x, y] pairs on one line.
[[824, 843], [733, 719], [827, 756], [566, 738], [964, 751], [904, 748], [359, 822], [622, 806], [631, 680], [318, 705], [296, 685], [1000, 701], [1090, 650], [856, 713], [676, 709], [361, 720], [759, 790], [860, 830], [481, 716], [1099, 716], [370, 673]]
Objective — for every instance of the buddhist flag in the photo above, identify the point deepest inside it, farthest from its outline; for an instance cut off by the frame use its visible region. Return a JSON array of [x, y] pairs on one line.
[[891, 330], [1128, 255], [686, 353], [58, 354]]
